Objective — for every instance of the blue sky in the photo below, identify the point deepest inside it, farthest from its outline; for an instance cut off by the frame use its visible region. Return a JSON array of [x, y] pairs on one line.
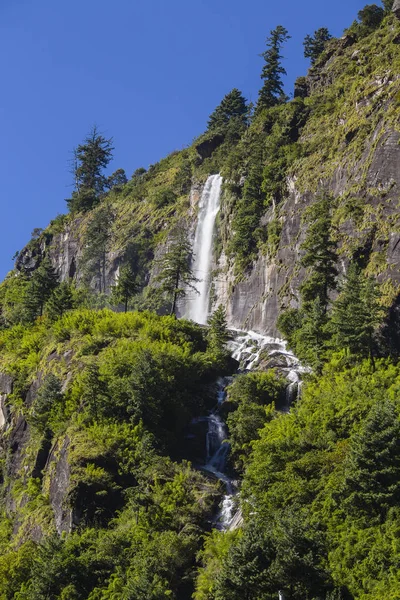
[[148, 72]]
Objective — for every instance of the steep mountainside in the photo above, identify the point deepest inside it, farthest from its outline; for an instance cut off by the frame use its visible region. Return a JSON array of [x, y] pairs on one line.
[[145, 456], [339, 134]]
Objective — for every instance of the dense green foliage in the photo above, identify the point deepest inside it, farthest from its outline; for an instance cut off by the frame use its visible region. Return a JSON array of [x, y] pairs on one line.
[[233, 106], [127, 285], [315, 44], [251, 402], [90, 160], [272, 91], [101, 401], [175, 275], [320, 495], [133, 383]]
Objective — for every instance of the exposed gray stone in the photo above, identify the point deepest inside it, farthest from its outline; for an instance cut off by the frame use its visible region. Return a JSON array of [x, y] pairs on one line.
[[6, 383], [396, 8], [59, 487]]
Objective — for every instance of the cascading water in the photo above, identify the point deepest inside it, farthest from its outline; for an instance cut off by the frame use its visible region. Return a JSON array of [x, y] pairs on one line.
[[198, 307], [217, 448], [248, 348]]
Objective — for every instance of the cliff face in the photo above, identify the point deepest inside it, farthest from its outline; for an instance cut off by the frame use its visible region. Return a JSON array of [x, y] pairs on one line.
[[351, 151], [347, 147]]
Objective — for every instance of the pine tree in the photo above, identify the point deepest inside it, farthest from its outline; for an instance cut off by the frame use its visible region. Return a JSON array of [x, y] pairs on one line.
[[320, 256], [176, 275], [371, 16], [126, 287], [310, 340], [90, 160], [272, 92], [315, 45], [42, 283], [61, 300], [232, 106], [48, 398], [117, 180], [218, 334], [96, 246], [94, 393], [356, 313], [373, 467]]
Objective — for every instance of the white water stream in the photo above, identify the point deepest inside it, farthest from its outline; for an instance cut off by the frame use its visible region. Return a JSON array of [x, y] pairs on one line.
[[248, 348], [198, 307]]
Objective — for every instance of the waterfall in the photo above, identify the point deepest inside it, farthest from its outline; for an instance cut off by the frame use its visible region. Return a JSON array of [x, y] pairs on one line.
[[217, 449], [197, 308], [249, 349]]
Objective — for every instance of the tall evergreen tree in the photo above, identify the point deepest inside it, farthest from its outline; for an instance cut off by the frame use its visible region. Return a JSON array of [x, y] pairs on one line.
[[246, 219], [373, 467], [272, 92], [320, 256], [126, 286], [42, 283], [96, 246], [48, 398], [315, 44], [218, 334], [61, 300], [176, 277], [232, 106], [90, 160], [311, 338], [356, 313]]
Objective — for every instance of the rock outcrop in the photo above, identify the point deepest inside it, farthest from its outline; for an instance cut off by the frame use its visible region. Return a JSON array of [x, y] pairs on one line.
[[363, 170]]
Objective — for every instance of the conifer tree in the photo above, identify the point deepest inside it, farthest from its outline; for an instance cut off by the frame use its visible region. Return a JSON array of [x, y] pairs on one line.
[[373, 468], [356, 313], [272, 92], [176, 276], [48, 397], [90, 160], [61, 300], [320, 256], [126, 286], [232, 106], [311, 338], [96, 246], [218, 334], [117, 180], [42, 283], [371, 16], [315, 45]]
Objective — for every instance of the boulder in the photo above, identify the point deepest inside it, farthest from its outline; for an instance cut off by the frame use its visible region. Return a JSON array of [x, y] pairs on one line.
[[396, 8]]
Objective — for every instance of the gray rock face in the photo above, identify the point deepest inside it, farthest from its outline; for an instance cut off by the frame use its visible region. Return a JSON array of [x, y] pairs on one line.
[[273, 283], [59, 487], [65, 251], [6, 384], [396, 8]]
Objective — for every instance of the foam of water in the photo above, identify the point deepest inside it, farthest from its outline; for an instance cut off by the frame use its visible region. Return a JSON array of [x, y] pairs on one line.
[[247, 348], [197, 308]]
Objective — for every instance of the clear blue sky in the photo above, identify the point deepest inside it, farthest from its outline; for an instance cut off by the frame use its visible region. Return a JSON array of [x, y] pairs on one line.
[[148, 72]]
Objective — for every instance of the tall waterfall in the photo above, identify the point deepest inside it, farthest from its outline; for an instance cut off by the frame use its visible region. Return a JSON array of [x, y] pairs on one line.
[[198, 306]]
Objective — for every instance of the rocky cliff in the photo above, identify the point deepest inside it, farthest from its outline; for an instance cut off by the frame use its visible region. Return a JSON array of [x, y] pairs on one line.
[[346, 144]]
